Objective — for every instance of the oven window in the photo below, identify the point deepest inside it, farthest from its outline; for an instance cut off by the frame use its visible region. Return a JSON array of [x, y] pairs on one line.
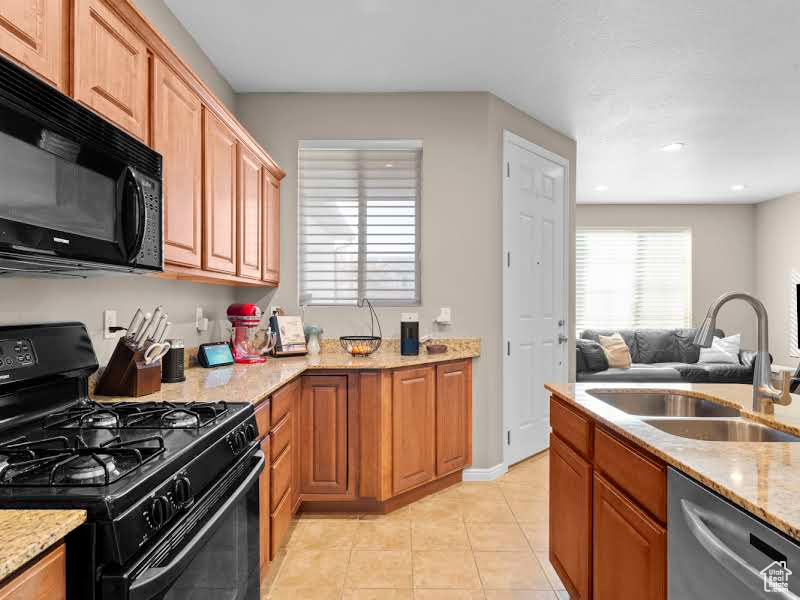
[[46, 188], [227, 567]]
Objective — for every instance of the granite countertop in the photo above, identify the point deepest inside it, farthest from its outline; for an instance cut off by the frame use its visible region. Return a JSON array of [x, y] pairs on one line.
[[252, 383], [25, 534], [761, 477]]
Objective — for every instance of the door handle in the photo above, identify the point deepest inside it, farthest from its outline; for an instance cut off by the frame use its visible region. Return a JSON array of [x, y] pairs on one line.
[[562, 339], [725, 556]]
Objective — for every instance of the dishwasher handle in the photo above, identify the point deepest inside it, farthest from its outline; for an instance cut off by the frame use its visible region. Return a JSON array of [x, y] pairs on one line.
[[725, 556]]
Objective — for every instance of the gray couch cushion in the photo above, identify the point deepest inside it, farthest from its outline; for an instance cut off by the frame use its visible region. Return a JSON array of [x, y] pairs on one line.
[[637, 373], [655, 346], [592, 355], [685, 349]]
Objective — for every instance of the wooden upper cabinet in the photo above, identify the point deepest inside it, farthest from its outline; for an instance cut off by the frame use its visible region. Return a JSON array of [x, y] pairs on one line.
[[272, 228], [630, 548], [453, 416], [110, 67], [178, 136], [35, 34], [219, 198], [249, 209], [413, 427], [323, 435], [571, 518]]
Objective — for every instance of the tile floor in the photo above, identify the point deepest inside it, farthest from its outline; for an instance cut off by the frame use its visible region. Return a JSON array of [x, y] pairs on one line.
[[472, 541]]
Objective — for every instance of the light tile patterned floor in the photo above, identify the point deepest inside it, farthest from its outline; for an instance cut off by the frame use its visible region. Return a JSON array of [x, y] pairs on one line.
[[473, 541]]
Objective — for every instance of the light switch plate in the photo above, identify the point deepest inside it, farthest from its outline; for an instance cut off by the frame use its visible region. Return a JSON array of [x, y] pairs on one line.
[[109, 321]]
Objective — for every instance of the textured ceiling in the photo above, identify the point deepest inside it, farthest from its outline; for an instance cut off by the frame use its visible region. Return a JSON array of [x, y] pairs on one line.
[[622, 77]]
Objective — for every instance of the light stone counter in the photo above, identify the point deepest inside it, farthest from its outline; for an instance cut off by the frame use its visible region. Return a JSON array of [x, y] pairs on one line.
[[761, 477], [25, 534]]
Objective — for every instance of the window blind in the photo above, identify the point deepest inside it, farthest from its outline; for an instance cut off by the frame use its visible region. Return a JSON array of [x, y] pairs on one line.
[[359, 222], [633, 278]]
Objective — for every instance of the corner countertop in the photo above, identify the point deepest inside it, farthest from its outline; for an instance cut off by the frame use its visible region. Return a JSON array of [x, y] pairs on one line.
[[763, 478], [252, 383], [25, 534]]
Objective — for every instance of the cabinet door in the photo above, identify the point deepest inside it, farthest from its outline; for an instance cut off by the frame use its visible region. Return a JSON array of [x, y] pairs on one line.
[[219, 196], [35, 33], [323, 435], [249, 211], [110, 63], [264, 509], [413, 428], [453, 416], [571, 518], [178, 136], [272, 228], [43, 578], [630, 548]]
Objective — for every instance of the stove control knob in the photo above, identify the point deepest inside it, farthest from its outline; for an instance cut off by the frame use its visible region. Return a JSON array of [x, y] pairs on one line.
[[182, 490], [160, 511], [241, 438], [250, 431]]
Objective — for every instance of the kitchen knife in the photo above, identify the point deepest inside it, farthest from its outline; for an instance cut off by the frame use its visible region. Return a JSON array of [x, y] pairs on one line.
[[164, 333], [153, 324], [137, 341], [162, 323], [135, 322]]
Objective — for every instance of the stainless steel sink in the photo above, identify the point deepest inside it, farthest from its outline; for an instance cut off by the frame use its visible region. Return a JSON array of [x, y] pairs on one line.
[[721, 430], [659, 404]]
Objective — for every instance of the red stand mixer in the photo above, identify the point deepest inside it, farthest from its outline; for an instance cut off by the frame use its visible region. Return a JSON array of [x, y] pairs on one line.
[[248, 342]]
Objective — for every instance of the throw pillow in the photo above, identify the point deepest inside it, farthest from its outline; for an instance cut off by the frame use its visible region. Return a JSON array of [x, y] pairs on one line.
[[722, 350], [617, 353], [592, 354]]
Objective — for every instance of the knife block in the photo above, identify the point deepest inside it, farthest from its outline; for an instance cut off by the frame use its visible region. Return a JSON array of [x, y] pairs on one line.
[[126, 374]]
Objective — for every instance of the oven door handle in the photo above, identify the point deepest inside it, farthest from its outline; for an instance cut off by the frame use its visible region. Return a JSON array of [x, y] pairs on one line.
[[733, 563], [153, 580]]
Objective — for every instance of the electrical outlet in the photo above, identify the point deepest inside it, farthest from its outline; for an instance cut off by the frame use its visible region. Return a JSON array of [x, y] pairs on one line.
[[200, 322], [109, 321]]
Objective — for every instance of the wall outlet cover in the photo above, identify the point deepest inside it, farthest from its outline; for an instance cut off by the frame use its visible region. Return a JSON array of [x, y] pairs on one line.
[[409, 317]]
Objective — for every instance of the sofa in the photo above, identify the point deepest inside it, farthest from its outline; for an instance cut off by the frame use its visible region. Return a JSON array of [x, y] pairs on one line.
[[657, 356]]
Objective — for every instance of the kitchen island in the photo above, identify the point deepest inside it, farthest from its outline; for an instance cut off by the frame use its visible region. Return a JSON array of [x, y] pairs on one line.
[[609, 489]]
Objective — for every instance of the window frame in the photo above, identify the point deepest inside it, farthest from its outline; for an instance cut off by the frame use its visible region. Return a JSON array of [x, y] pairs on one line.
[[687, 229], [366, 145]]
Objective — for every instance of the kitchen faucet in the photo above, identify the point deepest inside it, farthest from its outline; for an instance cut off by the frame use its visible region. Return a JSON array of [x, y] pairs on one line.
[[764, 395]]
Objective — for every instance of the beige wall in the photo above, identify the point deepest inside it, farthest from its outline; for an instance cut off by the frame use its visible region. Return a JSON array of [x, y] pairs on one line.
[[173, 31], [778, 261], [461, 213], [723, 256]]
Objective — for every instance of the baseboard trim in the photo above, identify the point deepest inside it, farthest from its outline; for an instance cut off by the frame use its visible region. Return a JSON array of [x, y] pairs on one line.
[[489, 474]]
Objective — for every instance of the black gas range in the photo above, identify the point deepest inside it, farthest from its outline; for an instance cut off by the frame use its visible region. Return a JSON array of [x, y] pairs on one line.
[[169, 488]]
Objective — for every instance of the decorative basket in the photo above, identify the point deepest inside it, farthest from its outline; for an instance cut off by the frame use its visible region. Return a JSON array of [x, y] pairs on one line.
[[364, 345]]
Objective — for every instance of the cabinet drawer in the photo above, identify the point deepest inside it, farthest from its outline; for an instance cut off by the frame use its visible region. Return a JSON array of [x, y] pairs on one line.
[[281, 436], [636, 475], [280, 521], [44, 578], [282, 402], [571, 427], [281, 475], [262, 418]]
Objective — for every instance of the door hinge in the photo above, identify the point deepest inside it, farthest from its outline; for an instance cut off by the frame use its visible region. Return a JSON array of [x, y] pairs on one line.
[[508, 169], [508, 259], [508, 348], [508, 437]]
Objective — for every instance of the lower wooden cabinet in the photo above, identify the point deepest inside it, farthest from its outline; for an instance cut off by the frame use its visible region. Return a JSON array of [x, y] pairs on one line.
[[629, 548], [323, 431], [264, 507], [453, 416], [413, 427], [44, 579], [571, 518]]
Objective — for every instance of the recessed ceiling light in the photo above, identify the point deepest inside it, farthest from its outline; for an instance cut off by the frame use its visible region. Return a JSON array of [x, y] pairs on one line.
[[601, 188], [388, 165], [673, 147], [738, 187]]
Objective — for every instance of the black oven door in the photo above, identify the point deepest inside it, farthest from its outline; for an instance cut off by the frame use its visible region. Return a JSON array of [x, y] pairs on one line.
[[212, 552]]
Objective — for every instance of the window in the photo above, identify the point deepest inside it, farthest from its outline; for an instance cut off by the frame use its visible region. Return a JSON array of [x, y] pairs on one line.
[[359, 222], [630, 278]]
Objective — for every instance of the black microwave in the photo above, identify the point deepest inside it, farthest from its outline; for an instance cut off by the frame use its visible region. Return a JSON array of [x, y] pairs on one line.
[[77, 193]]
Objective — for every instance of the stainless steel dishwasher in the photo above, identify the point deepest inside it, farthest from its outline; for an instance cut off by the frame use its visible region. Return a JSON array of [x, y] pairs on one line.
[[717, 551]]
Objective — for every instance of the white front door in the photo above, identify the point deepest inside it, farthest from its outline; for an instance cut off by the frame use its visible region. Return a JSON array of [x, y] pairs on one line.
[[534, 292]]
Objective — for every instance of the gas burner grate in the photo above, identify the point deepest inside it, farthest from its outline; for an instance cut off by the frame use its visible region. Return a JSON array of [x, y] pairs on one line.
[[53, 462], [137, 415]]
